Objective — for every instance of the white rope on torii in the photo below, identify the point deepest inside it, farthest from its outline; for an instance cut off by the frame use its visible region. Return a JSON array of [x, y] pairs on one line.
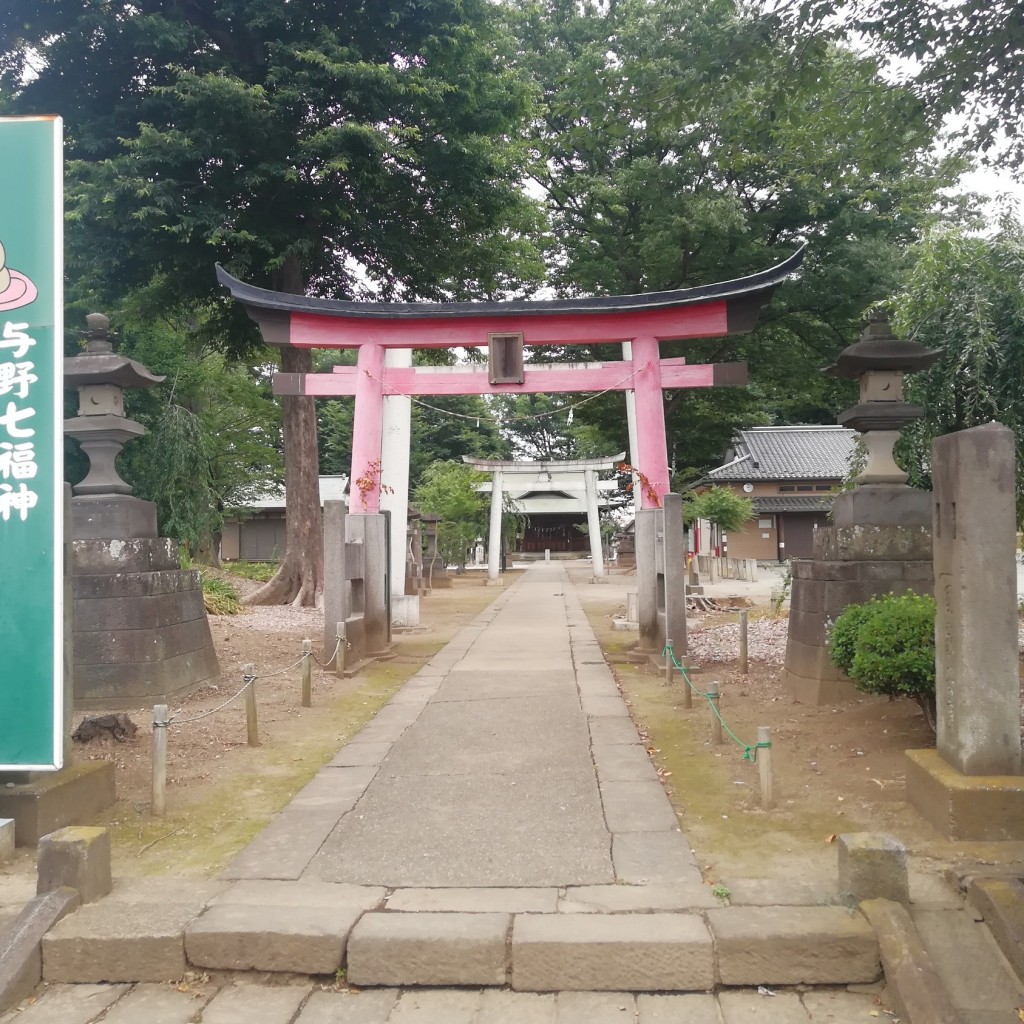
[[500, 469]]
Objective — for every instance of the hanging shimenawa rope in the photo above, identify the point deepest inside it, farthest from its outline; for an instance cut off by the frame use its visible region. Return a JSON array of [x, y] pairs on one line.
[[512, 419]]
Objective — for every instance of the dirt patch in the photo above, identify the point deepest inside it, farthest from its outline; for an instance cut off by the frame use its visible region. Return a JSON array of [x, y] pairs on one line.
[[221, 792], [836, 769]]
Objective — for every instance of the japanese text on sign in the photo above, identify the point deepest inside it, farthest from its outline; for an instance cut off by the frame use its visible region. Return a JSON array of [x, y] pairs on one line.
[[17, 451]]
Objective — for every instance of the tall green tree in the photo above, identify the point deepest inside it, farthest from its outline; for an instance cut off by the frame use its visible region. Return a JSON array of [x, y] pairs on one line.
[[962, 58], [450, 492], [964, 297], [336, 145], [685, 142]]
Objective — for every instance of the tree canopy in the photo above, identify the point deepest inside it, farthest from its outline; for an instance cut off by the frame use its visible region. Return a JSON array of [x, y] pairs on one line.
[[963, 296], [964, 58], [684, 142]]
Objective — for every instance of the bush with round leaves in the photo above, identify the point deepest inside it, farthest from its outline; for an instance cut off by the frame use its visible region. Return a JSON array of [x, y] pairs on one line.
[[887, 646]]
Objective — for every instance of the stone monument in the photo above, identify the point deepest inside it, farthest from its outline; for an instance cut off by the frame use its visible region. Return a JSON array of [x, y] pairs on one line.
[[880, 538], [971, 786], [141, 632]]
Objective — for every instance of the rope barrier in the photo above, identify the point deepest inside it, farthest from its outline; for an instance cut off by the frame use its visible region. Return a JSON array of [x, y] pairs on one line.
[[249, 680], [749, 749], [324, 664]]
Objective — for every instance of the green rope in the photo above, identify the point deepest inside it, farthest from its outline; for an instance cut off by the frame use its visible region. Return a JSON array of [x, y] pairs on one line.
[[749, 749]]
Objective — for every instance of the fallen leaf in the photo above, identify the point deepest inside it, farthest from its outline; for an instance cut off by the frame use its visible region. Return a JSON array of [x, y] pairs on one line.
[[831, 838]]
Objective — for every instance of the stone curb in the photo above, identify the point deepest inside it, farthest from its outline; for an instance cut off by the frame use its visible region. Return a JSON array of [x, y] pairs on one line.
[[1000, 902], [913, 984], [21, 957]]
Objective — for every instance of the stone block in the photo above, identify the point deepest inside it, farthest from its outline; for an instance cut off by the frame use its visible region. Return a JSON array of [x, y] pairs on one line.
[[499, 1006], [137, 934], [115, 646], [128, 684], [429, 949], [135, 584], [978, 808], [873, 543], [145, 554], [158, 611], [75, 795], [6, 839], [21, 961], [595, 1007], [882, 505], [98, 517], [449, 1005], [77, 856], [913, 985], [621, 952], [245, 937], [340, 896], [677, 1009], [793, 945], [618, 899], [610, 731], [873, 866]]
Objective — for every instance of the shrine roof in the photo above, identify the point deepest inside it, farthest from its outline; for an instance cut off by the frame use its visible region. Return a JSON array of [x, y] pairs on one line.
[[788, 453], [759, 285]]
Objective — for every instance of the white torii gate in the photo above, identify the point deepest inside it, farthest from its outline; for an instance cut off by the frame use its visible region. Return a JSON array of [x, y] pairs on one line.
[[499, 470]]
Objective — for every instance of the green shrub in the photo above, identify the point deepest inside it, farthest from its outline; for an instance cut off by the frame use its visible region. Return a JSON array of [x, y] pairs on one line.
[[219, 596], [887, 646], [258, 571]]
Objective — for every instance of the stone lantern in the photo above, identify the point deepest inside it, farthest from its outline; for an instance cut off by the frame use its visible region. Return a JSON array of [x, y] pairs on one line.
[[102, 429], [880, 537], [880, 361], [141, 632]]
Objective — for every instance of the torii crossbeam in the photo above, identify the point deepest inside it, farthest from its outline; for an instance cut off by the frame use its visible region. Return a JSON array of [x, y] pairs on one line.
[[642, 321]]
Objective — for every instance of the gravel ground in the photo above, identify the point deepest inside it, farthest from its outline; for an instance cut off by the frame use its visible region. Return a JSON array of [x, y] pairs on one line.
[[766, 641]]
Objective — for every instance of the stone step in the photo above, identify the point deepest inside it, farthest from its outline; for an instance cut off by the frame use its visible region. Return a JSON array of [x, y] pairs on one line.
[[1000, 902], [658, 937]]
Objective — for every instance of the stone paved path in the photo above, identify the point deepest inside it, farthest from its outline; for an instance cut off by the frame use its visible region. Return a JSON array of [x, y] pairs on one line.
[[247, 1002], [508, 761]]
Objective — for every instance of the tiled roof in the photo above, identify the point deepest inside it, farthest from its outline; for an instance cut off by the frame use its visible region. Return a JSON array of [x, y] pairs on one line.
[[794, 503], [788, 453]]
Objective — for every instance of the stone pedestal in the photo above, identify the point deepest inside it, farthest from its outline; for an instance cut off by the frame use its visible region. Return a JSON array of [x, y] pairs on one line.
[[851, 564], [971, 787], [661, 577], [141, 632], [44, 803]]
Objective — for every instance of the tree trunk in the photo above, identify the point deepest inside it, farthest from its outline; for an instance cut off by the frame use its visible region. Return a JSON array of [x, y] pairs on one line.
[[299, 578]]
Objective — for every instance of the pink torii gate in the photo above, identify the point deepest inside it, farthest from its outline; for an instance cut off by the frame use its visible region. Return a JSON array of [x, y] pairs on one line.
[[642, 321]]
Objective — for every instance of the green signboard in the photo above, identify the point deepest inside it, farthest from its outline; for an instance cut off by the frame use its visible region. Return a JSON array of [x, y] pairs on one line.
[[31, 444]]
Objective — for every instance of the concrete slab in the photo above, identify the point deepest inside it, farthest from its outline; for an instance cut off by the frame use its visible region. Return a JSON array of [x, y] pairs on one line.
[[307, 893], [829, 1006], [618, 899], [69, 1004], [159, 1004], [245, 1002], [606, 731], [514, 681], [628, 952], [476, 901], [779, 892], [499, 1006], [643, 858], [596, 1007], [743, 1007], [637, 807], [603, 707], [677, 1009], [429, 949], [450, 1006], [623, 763], [359, 754], [368, 1006], [475, 831]]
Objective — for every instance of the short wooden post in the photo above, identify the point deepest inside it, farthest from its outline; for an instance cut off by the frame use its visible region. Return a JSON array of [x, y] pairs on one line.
[[716, 723], [744, 667], [307, 673], [252, 725], [687, 688], [764, 766], [339, 658], [158, 805], [668, 662]]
